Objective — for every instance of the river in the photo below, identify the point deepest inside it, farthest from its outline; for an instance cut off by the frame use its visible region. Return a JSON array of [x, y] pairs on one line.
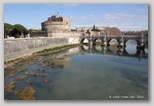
[[86, 73]]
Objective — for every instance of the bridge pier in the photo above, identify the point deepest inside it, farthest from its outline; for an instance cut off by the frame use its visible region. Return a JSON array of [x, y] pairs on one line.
[[105, 44], [90, 43], [105, 41], [121, 43], [141, 44]]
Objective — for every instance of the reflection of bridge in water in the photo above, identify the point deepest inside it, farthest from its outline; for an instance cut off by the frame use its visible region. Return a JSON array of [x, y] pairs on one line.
[[112, 50], [63, 59]]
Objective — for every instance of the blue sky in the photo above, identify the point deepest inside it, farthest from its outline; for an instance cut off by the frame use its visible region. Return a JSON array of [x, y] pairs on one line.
[[124, 16]]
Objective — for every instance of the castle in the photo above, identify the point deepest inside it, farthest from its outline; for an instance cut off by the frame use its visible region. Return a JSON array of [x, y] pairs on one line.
[[58, 26]]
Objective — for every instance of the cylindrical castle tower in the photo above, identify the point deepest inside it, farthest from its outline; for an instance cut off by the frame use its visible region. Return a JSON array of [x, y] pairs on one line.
[[56, 23]]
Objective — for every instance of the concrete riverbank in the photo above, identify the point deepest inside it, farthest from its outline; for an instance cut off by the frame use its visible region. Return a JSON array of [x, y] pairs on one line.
[[16, 48], [25, 53]]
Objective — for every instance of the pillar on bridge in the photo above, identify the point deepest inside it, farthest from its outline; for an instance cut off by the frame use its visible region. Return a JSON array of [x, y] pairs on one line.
[[105, 42], [121, 43], [90, 42], [141, 43], [141, 46]]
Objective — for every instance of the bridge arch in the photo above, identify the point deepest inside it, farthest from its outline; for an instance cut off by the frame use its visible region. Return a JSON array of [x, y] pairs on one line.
[[131, 45], [97, 40], [84, 39], [132, 40], [114, 40]]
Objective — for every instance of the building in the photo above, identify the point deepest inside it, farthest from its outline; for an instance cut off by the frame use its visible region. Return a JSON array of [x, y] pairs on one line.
[[102, 30], [56, 26], [55, 23]]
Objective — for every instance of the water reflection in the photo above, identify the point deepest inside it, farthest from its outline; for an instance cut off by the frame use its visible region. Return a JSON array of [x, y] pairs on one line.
[[113, 50], [131, 46], [84, 72], [63, 59]]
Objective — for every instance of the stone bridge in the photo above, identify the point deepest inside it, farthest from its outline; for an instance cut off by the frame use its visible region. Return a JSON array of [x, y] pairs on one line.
[[121, 39]]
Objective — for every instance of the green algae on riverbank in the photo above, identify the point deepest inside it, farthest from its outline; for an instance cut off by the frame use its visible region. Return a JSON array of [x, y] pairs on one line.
[[37, 55], [55, 50]]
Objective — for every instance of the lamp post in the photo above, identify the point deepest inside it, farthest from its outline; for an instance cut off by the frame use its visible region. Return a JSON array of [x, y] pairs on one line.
[[107, 30]]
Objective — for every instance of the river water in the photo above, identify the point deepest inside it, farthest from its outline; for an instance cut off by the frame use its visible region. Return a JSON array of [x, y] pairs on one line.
[[87, 73]]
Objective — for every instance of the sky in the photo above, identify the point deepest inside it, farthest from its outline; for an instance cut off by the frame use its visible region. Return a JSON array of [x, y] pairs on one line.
[[127, 17]]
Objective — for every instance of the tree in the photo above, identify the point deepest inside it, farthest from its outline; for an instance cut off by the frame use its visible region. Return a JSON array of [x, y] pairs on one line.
[[18, 30], [95, 29], [14, 30], [7, 29]]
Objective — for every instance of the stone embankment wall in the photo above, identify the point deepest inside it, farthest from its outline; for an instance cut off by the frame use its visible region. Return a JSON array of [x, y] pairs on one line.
[[38, 34], [12, 46], [63, 33]]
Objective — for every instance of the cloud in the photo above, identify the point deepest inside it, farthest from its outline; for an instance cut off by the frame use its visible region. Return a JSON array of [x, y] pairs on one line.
[[120, 20], [71, 5], [106, 18], [117, 17]]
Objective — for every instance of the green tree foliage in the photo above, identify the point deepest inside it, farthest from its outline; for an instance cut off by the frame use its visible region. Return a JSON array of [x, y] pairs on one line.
[[18, 30], [7, 29], [14, 30], [73, 30], [95, 29]]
